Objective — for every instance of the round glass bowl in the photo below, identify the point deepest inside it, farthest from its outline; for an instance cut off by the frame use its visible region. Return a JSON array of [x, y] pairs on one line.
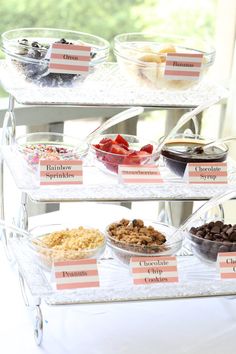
[[182, 149], [127, 240], [111, 150], [210, 239], [51, 243], [50, 146], [27, 51], [142, 58]]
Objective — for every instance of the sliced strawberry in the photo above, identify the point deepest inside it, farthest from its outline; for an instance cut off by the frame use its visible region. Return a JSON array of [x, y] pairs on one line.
[[132, 159], [118, 150], [121, 141], [148, 148], [105, 140], [136, 158], [106, 146], [97, 146], [124, 147]]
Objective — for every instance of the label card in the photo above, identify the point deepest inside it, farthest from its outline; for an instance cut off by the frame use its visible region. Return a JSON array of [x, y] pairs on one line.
[[227, 265], [207, 173], [154, 270], [76, 274], [183, 66], [139, 174], [60, 172], [69, 59]]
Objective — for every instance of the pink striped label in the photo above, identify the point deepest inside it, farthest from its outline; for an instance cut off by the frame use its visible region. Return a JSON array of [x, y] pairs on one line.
[[132, 174], [207, 173], [227, 265], [183, 66], [69, 59], [154, 270], [60, 172], [76, 274]]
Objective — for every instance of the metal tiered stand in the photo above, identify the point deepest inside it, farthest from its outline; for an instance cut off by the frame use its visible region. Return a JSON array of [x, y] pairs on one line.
[[105, 89]]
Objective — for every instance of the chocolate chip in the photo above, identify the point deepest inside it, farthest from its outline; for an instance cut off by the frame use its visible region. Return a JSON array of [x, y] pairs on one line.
[[232, 236], [214, 237], [229, 231], [219, 223], [200, 233], [215, 229]]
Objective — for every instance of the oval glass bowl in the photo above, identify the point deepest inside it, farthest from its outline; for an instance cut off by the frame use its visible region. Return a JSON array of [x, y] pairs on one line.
[[142, 58], [27, 52], [208, 250], [124, 251], [52, 146], [109, 161], [180, 150], [45, 255]]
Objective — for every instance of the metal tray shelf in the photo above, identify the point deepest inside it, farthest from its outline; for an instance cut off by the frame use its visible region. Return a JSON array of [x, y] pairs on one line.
[[196, 279], [107, 88], [100, 186]]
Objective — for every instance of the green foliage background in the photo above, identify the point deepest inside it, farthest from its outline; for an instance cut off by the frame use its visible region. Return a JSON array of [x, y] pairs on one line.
[[110, 17]]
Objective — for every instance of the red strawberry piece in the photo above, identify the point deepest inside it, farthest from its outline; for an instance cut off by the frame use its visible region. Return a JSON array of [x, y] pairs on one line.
[[148, 148], [132, 159], [121, 141], [136, 158], [124, 147], [97, 146], [118, 150], [105, 140], [106, 146]]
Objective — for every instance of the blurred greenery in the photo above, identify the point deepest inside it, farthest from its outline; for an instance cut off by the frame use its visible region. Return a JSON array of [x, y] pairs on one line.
[[110, 17]]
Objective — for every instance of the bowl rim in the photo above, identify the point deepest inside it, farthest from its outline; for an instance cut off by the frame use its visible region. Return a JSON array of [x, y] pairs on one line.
[[145, 64], [190, 236], [187, 137], [148, 141], [117, 38], [146, 221], [50, 29], [74, 148], [37, 247], [5, 42]]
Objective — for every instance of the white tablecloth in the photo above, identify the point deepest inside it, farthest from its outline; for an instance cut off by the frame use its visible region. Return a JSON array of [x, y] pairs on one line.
[[184, 326]]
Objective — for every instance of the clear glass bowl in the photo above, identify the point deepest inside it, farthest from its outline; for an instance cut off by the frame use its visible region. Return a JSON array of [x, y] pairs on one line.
[[45, 255], [27, 52], [109, 161], [183, 148], [124, 251], [142, 58], [52, 146], [206, 249]]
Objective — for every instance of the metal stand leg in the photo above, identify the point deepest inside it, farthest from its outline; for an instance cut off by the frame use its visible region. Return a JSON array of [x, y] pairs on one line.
[[22, 219], [35, 309], [8, 136]]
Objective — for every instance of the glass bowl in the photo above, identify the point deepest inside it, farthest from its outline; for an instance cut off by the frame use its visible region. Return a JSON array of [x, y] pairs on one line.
[[142, 58], [184, 148], [206, 244], [125, 245], [111, 150], [52, 146], [27, 51], [56, 242]]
